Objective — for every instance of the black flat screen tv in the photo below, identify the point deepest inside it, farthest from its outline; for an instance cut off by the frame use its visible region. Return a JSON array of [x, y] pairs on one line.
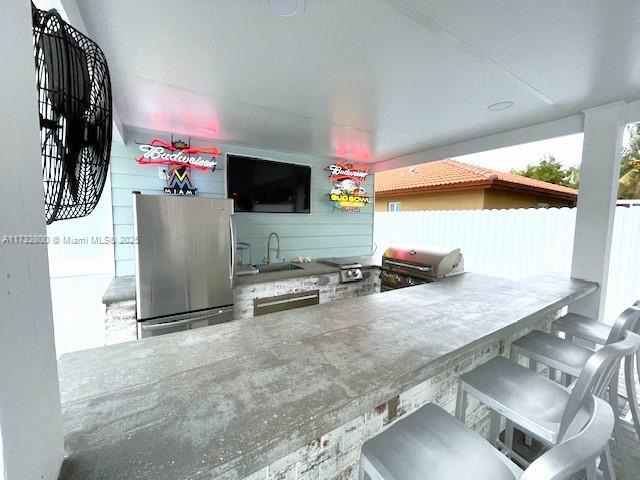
[[258, 185]]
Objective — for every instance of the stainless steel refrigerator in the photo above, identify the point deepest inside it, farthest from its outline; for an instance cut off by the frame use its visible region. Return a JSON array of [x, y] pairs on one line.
[[184, 262]]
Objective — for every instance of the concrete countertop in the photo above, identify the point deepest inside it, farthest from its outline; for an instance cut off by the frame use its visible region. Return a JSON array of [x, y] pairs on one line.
[[305, 270], [232, 398], [123, 289]]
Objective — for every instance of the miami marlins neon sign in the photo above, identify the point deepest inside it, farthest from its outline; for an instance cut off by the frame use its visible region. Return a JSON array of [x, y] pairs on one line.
[[179, 181]]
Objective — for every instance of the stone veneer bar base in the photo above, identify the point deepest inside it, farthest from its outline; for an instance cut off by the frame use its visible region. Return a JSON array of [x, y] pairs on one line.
[[331, 290], [336, 455], [120, 322], [294, 393], [120, 316]]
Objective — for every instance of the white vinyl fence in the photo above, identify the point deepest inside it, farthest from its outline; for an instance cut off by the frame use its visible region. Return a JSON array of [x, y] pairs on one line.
[[518, 243], [624, 269]]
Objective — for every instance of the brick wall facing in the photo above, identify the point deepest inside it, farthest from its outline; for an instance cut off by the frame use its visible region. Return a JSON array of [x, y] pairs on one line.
[[120, 322], [120, 318], [329, 285]]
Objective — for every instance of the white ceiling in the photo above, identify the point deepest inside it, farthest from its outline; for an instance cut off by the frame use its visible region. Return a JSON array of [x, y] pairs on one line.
[[367, 80]]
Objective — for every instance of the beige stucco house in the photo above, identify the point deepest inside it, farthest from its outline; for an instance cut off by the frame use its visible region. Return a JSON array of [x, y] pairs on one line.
[[453, 185]]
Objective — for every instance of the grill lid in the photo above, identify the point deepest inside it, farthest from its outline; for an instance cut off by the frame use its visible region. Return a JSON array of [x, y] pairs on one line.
[[439, 261], [341, 262]]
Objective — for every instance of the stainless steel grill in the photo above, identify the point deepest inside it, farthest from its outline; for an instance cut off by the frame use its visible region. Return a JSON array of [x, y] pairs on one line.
[[409, 265], [350, 268]]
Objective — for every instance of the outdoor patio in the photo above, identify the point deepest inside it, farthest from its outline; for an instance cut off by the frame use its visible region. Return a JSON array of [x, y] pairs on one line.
[[196, 283]]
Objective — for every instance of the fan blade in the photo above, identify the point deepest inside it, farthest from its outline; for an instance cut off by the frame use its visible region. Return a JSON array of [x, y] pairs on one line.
[[75, 140], [59, 193], [68, 79], [71, 164]]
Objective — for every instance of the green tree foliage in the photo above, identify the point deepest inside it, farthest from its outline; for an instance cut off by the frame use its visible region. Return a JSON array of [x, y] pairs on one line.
[[550, 170], [629, 186]]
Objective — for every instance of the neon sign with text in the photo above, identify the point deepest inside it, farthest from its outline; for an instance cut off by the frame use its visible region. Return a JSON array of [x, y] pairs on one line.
[[348, 193], [340, 171], [159, 152], [179, 181]]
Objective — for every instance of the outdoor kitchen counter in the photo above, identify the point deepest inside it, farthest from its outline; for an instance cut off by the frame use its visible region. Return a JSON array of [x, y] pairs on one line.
[[124, 288], [304, 270], [233, 398]]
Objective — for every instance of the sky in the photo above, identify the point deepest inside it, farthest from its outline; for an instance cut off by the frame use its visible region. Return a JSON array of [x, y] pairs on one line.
[[567, 150]]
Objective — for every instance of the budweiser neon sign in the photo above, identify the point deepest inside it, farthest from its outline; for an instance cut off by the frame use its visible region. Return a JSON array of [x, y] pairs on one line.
[[348, 193], [159, 152], [339, 171]]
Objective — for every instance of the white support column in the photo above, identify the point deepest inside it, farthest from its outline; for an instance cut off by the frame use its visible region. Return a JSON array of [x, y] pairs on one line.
[[599, 171], [30, 419]]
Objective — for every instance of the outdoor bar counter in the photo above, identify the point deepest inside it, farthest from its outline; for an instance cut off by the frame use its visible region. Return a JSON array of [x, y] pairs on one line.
[[292, 394]]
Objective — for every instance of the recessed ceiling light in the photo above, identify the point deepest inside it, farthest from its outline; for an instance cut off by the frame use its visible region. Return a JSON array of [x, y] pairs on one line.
[[498, 107], [286, 8]]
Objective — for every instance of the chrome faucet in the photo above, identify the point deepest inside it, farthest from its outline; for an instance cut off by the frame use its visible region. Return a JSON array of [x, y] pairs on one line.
[[268, 259]]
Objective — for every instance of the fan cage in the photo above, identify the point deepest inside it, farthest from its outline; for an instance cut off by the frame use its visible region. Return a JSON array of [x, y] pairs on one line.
[[75, 125]]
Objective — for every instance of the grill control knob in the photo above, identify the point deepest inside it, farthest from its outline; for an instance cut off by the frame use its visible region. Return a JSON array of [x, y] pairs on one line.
[[410, 281], [349, 273]]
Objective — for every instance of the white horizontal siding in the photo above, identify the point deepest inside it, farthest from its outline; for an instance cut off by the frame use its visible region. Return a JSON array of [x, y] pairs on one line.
[[325, 232]]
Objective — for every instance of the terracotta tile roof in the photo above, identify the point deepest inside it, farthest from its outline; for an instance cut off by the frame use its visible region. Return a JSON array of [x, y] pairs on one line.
[[449, 174]]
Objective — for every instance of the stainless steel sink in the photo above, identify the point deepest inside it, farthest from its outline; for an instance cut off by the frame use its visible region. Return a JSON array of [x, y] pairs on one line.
[[277, 267]]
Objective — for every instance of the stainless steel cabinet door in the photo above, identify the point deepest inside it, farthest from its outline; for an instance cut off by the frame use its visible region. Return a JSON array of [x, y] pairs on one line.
[[150, 329], [184, 254]]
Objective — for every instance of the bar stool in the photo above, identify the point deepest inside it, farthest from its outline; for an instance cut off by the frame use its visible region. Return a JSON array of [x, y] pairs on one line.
[[430, 444], [587, 329], [537, 405], [570, 359], [574, 325]]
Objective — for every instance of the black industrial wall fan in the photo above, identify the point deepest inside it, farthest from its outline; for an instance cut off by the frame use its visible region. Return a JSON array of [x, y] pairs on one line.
[[74, 99]]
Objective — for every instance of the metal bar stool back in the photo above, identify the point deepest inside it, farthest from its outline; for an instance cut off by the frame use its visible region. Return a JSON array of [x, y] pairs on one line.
[[599, 373], [632, 392], [570, 358], [430, 444], [563, 355], [586, 328], [627, 320], [578, 452], [536, 405]]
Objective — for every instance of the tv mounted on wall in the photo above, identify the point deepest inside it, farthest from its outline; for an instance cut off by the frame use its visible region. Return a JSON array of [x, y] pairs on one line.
[[258, 185]]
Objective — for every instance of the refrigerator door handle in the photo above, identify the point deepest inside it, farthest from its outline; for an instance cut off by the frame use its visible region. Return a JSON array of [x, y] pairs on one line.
[[179, 323], [232, 270]]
